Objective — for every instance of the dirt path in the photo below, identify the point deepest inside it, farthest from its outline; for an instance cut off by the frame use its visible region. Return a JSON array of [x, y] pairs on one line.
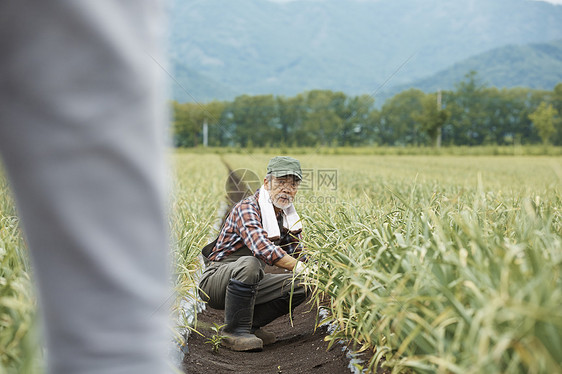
[[299, 349]]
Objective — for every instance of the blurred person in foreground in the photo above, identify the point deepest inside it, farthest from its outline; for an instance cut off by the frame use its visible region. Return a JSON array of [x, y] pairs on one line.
[[82, 137], [262, 229]]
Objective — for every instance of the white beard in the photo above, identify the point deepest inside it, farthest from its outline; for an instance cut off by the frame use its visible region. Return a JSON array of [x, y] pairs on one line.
[[279, 205]]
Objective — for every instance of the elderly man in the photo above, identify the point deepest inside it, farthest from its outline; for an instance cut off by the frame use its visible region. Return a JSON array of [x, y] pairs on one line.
[[262, 229]]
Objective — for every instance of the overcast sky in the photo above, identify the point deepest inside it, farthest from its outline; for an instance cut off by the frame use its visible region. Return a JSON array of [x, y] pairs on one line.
[[558, 2], [553, 1]]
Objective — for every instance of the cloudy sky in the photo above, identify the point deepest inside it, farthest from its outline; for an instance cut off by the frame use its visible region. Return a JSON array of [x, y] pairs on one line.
[[558, 2], [553, 1]]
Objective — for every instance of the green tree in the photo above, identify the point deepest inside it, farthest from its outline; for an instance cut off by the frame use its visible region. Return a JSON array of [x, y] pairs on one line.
[[468, 117], [291, 113], [545, 120], [355, 126], [507, 116], [218, 128], [323, 120], [431, 118], [396, 125], [557, 98], [256, 121], [557, 104], [188, 120], [187, 123]]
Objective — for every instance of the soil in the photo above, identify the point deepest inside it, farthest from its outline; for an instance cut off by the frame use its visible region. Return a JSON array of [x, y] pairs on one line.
[[300, 348]]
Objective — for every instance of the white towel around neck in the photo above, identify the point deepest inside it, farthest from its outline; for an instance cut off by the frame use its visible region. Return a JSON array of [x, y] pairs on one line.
[[291, 220]]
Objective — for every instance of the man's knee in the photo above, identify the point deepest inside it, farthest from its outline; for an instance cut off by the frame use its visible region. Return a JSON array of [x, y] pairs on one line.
[[248, 270]]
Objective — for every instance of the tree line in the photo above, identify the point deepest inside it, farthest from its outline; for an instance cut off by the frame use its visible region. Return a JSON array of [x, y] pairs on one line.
[[471, 114]]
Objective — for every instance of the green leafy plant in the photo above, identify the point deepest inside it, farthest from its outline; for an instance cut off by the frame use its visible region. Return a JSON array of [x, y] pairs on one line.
[[215, 339], [441, 264]]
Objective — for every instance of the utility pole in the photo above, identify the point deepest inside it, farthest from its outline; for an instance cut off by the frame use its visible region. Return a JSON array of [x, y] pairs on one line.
[[205, 133], [439, 108]]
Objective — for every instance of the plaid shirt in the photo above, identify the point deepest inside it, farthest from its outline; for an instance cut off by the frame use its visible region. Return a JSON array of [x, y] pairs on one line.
[[243, 227]]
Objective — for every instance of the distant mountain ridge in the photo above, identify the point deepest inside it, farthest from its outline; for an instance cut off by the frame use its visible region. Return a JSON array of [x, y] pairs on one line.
[[535, 65], [189, 85], [221, 49]]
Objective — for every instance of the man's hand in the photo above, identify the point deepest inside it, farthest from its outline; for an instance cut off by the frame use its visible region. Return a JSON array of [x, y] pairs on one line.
[[299, 267], [304, 270], [287, 262]]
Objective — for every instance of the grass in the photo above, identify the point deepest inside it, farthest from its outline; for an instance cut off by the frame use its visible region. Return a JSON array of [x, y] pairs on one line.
[[198, 188], [440, 264], [440, 273], [18, 348], [375, 150], [439, 282], [447, 264]]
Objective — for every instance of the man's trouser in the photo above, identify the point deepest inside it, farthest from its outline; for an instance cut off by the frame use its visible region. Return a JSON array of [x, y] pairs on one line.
[[244, 267], [82, 137]]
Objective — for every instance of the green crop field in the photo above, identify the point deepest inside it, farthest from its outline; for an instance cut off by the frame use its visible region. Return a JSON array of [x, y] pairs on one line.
[[447, 264]]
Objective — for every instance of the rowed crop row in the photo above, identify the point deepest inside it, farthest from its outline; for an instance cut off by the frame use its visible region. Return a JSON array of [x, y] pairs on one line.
[[433, 263], [445, 280]]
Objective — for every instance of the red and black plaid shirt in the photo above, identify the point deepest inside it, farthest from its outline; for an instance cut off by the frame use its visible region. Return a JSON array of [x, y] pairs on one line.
[[243, 227]]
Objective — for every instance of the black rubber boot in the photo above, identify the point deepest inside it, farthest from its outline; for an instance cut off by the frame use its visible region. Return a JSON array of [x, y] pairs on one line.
[[268, 312], [238, 316]]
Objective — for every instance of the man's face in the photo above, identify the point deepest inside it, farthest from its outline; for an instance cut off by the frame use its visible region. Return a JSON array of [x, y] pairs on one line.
[[282, 190]]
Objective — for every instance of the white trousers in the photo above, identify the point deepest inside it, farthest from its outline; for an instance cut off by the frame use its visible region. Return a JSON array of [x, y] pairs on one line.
[[82, 137]]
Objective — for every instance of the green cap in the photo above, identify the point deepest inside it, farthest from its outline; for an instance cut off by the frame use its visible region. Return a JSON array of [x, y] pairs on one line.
[[281, 166]]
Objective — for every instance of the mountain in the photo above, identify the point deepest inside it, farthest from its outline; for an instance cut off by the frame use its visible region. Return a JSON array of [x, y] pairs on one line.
[[535, 65], [223, 48], [190, 85]]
